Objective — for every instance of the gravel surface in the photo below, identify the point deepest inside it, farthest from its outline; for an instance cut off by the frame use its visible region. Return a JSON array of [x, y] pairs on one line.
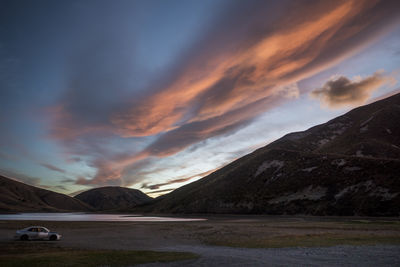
[[193, 237], [379, 255]]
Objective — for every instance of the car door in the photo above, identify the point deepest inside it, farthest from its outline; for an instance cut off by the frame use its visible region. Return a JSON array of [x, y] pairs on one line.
[[42, 233], [33, 233]]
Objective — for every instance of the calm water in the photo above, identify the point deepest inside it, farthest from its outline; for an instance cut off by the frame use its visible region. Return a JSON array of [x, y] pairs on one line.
[[91, 217]]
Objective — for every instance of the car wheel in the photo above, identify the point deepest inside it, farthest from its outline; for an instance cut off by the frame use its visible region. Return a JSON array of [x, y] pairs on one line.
[[53, 238], [24, 237]]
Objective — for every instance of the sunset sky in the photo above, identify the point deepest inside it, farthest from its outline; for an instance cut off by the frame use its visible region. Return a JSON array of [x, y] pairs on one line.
[[153, 95]]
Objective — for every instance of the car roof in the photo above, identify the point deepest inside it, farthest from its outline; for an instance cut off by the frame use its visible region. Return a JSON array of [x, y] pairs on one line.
[[35, 227]]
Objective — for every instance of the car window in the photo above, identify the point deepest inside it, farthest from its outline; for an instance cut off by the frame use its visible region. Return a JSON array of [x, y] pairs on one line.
[[30, 229]]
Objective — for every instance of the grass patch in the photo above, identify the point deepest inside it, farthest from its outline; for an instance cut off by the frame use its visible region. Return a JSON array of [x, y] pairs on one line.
[[320, 240], [43, 255]]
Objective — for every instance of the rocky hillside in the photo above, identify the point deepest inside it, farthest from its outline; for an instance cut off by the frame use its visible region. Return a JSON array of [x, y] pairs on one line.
[[347, 166], [19, 197], [113, 198]]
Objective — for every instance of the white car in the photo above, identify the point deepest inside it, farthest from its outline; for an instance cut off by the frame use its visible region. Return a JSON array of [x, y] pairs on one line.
[[36, 232]]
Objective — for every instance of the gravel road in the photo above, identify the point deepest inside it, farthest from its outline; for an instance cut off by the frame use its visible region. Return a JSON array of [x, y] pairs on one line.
[[379, 255]]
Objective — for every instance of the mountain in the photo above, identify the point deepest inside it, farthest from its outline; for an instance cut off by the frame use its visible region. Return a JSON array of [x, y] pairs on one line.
[[347, 166], [19, 197], [113, 198]]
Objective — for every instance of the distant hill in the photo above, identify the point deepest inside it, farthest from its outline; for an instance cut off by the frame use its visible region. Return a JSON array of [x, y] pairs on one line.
[[113, 198], [19, 197], [347, 166]]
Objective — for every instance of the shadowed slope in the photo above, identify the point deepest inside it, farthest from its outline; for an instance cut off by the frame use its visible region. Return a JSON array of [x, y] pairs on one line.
[[113, 197], [17, 197], [347, 166]]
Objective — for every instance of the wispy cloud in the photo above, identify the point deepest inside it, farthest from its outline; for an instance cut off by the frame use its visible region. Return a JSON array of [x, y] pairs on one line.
[[159, 192], [52, 167], [175, 181], [244, 67]]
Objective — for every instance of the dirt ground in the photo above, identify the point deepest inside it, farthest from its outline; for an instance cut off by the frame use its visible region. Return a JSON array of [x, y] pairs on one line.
[[240, 240]]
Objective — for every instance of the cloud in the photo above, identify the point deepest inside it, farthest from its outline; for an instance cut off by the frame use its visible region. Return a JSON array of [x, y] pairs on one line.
[[160, 191], [68, 180], [74, 159], [341, 91], [52, 167], [249, 63], [111, 170], [55, 188], [278, 54], [175, 181]]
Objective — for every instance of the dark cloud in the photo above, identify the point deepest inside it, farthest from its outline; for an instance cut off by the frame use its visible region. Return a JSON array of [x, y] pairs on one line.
[[82, 181], [68, 180], [341, 91], [74, 159], [111, 181], [174, 181], [52, 167]]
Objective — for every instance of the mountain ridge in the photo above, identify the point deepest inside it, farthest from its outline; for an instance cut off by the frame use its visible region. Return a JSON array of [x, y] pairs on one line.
[[349, 165], [346, 166], [16, 196], [113, 198]]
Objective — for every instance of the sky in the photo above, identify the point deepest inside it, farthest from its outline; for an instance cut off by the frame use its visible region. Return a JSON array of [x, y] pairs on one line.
[[153, 94]]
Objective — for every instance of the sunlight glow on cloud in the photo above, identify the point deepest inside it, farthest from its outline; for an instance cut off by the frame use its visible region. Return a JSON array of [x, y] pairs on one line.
[[244, 67], [227, 81]]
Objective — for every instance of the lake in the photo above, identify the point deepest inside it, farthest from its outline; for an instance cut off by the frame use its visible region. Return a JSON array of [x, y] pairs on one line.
[[89, 217]]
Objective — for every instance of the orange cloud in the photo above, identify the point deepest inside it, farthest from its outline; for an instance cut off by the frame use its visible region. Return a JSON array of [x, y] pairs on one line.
[[245, 67], [109, 171], [225, 81]]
